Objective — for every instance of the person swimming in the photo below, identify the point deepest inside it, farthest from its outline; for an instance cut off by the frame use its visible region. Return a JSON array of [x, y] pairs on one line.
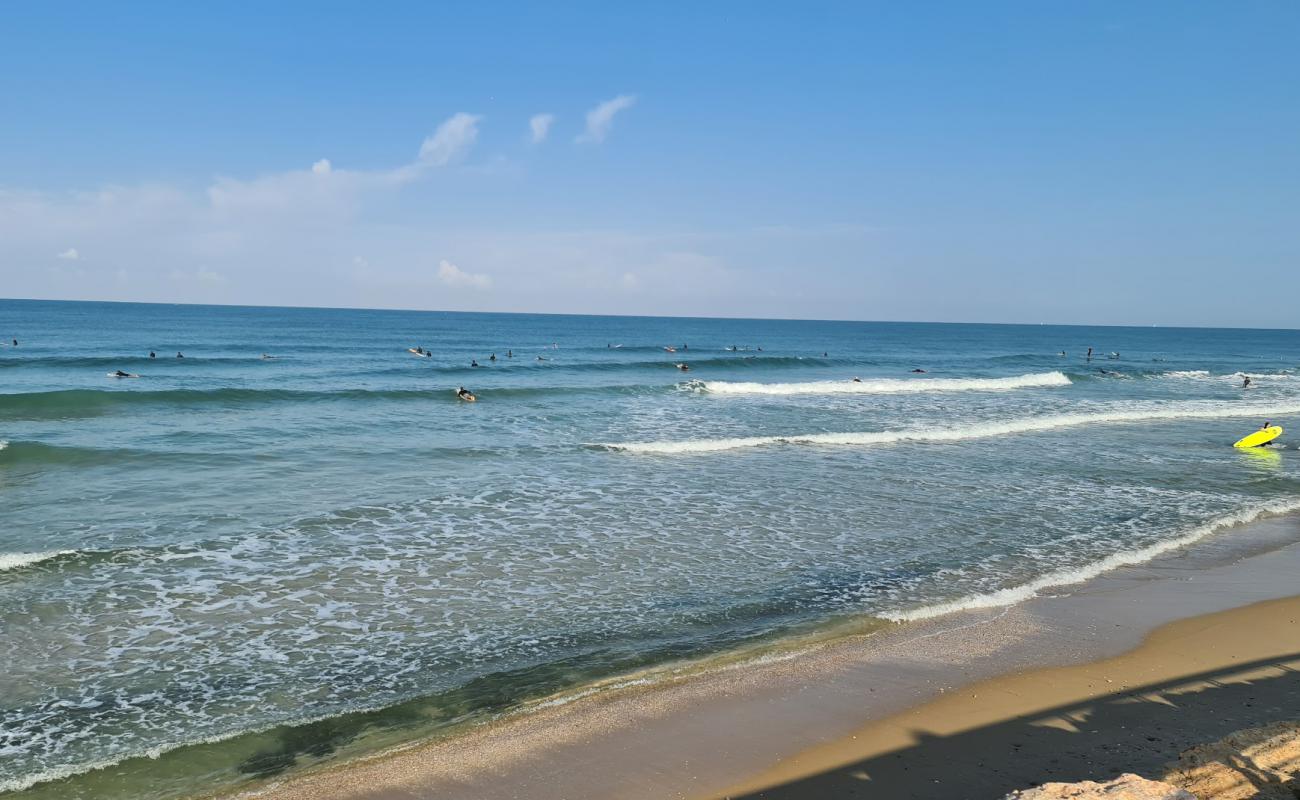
[[473, 363], [857, 380], [1089, 353], [510, 354], [121, 374], [1245, 382], [493, 358], [918, 370], [684, 367], [152, 354], [179, 354]]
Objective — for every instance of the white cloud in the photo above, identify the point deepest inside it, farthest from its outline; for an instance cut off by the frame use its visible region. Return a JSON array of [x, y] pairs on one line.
[[601, 118], [540, 125], [453, 275], [321, 167], [70, 254], [451, 141]]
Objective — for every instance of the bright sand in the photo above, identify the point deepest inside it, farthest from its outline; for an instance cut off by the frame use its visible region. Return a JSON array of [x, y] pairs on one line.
[[1119, 674]]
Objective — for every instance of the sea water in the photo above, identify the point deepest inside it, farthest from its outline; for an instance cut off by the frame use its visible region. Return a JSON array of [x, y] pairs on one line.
[[234, 564]]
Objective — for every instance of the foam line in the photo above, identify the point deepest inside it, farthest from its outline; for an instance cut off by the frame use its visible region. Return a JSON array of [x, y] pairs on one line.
[[889, 385], [982, 430], [1066, 577]]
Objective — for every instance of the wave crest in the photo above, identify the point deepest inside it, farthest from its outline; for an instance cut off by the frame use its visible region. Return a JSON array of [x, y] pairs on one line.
[[889, 385], [981, 430]]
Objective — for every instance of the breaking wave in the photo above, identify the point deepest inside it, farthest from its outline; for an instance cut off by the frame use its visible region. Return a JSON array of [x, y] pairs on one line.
[[981, 430], [889, 385]]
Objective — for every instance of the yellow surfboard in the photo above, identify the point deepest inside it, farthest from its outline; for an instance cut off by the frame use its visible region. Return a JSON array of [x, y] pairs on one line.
[[1260, 437]]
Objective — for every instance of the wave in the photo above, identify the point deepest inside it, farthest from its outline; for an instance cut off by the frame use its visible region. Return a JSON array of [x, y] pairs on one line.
[[79, 403], [889, 385], [982, 430], [10, 561], [1073, 575], [168, 360]]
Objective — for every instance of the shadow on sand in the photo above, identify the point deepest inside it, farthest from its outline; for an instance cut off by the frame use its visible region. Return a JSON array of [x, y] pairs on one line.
[[1139, 729]]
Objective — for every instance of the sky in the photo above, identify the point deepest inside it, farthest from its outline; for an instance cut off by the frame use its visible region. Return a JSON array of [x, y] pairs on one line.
[[1059, 162]]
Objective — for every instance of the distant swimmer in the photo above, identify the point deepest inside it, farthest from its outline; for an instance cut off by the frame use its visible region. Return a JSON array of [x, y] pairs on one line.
[[120, 374], [265, 357], [684, 347], [473, 363], [493, 357], [1245, 384], [179, 354], [857, 380], [15, 342], [510, 354], [539, 358], [760, 349], [1062, 354], [918, 370], [683, 367], [825, 355], [152, 354], [1089, 353], [466, 395]]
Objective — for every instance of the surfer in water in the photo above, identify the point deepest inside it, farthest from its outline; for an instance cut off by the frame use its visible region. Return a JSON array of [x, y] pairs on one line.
[[152, 354], [684, 367], [473, 363], [179, 354], [857, 380], [463, 393], [493, 357], [1089, 353], [510, 354], [121, 374], [1245, 384]]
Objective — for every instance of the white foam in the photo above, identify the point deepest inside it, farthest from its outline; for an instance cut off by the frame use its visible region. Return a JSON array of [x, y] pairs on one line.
[[1188, 373], [15, 560], [889, 385], [979, 430], [1066, 577]]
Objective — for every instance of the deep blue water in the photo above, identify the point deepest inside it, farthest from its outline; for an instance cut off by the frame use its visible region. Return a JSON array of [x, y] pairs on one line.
[[231, 544]]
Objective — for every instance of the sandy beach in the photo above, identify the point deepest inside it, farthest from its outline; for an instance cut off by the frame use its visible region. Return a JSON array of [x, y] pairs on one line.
[[1118, 674]]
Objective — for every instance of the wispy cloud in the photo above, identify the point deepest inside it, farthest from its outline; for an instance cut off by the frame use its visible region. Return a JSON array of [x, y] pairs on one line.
[[70, 254], [452, 140], [453, 275], [540, 126], [324, 189], [601, 118]]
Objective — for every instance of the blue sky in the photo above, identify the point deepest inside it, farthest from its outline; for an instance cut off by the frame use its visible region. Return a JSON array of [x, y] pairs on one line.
[[1085, 162]]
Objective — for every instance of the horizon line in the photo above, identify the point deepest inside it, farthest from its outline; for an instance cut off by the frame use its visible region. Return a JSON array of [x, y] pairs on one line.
[[651, 316]]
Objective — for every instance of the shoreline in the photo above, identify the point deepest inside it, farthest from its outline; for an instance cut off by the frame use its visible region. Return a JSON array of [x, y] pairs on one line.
[[713, 732]]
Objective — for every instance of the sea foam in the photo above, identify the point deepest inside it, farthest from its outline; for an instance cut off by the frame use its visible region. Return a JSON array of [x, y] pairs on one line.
[[10, 561], [888, 385], [1073, 575], [979, 430]]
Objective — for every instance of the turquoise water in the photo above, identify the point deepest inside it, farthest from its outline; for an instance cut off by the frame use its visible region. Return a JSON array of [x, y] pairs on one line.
[[228, 546]]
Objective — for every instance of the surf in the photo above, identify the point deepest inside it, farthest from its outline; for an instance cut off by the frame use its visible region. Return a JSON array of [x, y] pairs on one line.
[[982, 430], [889, 385]]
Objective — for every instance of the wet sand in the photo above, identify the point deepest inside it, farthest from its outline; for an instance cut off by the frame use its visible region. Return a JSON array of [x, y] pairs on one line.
[[979, 701]]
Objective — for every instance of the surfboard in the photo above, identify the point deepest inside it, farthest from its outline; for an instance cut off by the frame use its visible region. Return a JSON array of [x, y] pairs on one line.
[[1260, 437], [414, 352], [468, 398]]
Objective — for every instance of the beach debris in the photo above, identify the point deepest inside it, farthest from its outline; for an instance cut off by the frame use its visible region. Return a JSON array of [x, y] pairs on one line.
[[1126, 787]]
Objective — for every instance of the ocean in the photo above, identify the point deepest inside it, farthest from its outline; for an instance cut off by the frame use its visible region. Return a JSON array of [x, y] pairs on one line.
[[234, 566]]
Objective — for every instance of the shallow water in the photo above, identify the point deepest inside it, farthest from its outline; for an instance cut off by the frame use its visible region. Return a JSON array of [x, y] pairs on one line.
[[230, 544]]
